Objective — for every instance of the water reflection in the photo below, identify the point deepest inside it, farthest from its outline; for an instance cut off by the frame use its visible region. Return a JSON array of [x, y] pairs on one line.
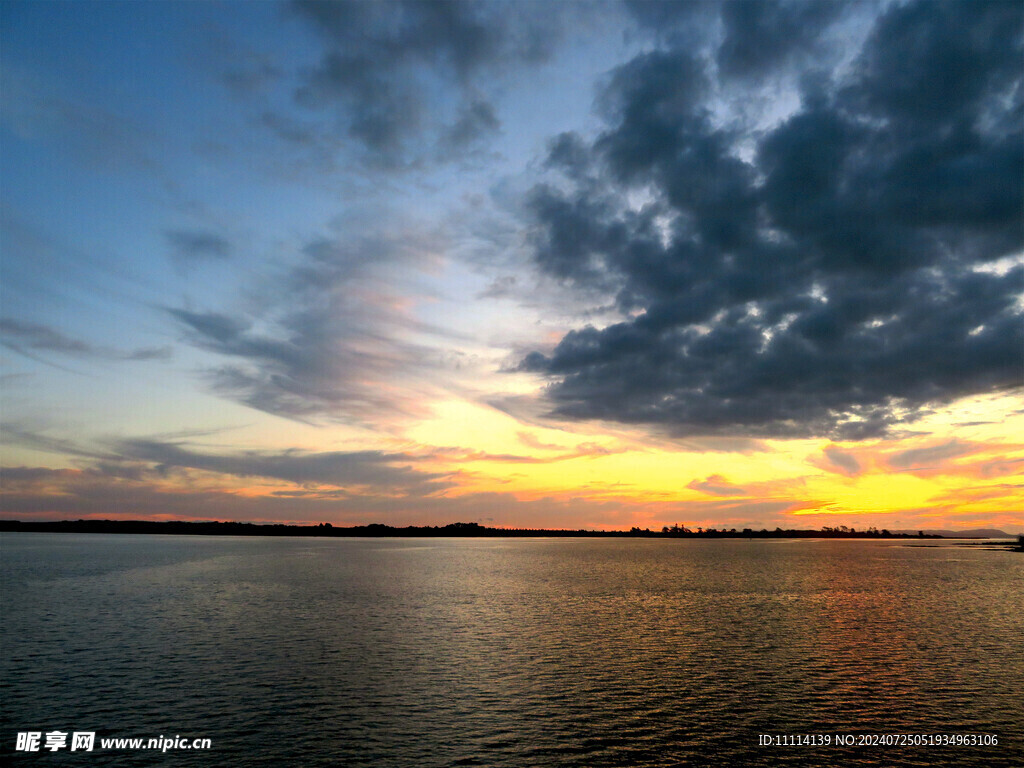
[[515, 652]]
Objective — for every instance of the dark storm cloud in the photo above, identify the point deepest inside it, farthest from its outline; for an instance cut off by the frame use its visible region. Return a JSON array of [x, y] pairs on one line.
[[941, 61], [31, 338], [381, 60], [826, 283], [746, 39], [759, 36], [197, 245]]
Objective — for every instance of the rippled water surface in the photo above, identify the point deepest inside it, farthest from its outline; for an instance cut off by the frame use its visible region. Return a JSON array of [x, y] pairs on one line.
[[509, 652]]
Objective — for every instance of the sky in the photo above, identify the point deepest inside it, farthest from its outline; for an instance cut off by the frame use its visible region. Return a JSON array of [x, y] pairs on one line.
[[566, 265]]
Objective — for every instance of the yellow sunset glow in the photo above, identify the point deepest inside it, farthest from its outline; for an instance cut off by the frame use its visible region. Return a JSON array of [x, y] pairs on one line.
[[923, 471]]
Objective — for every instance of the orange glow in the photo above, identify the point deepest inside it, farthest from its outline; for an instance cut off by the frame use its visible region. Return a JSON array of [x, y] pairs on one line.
[[482, 463]]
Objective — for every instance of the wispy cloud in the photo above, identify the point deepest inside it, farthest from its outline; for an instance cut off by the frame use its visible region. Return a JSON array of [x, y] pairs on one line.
[[582, 450], [716, 485], [194, 245], [30, 339], [922, 458], [369, 471], [17, 433], [36, 107], [958, 458], [835, 459], [336, 337]]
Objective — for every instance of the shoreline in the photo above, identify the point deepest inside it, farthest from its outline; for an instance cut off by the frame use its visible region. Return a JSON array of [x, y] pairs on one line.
[[456, 530]]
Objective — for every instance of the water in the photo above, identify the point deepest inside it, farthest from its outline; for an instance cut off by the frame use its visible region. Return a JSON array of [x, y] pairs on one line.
[[508, 652]]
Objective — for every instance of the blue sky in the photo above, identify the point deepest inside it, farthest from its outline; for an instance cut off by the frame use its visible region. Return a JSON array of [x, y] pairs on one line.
[[496, 260]]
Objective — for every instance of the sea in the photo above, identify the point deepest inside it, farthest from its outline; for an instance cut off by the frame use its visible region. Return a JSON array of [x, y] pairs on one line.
[[419, 652]]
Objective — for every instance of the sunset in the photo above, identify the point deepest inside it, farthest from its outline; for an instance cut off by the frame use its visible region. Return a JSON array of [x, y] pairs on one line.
[[667, 353], [599, 266]]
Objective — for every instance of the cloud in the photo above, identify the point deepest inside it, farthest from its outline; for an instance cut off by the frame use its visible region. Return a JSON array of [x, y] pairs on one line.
[[758, 37], [530, 440], [381, 62], [738, 513], [836, 459], [924, 458], [476, 124], [716, 444], [744, 39], [716, 485], [501, 287], [991, 501], [330, 337], [1001, 467], [43, 493], [582, 450], [124, 492], [137, 490], [353, 472], [188, 246], [17, 433], [18, 335], [387, 473], [34, 107], [822, 276], [47, 494], [30, 338]]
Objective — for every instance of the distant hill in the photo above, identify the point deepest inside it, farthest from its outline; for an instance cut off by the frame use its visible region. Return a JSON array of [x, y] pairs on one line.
[[972, 533]]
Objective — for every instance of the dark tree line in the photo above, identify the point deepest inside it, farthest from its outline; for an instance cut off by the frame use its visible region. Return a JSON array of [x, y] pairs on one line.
[[460, 529]]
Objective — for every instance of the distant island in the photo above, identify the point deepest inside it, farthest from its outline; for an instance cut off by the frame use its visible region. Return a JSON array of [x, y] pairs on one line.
[[213, 528]]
